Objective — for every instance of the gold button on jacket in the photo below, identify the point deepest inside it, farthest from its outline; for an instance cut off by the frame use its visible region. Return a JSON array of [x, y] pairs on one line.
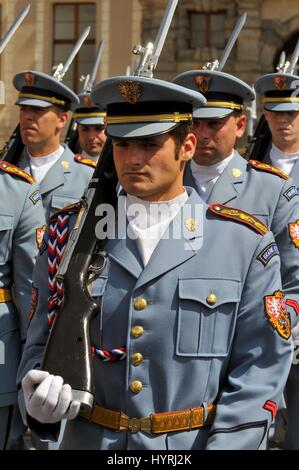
[[140, 303], [136, 386], [211, 299], [137, 331], [137, 359]]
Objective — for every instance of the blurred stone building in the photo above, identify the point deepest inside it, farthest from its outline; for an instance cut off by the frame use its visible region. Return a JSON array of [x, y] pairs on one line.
[[198, 34]]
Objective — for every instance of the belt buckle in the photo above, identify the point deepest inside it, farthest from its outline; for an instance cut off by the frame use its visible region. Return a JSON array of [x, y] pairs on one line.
[[135, 425], [142, 424]]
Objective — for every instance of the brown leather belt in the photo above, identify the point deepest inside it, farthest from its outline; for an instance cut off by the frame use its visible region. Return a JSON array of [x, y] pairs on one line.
[[5, 295], [156, 423]]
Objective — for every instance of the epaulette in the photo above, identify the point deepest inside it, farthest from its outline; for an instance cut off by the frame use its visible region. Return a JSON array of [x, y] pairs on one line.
[[14, 170], [73, 208], [86, 161], [268, 168], [239, 216]]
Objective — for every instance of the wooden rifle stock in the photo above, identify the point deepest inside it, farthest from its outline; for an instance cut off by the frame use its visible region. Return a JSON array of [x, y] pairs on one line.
[[68, 350], [260, 142], [13, 148]]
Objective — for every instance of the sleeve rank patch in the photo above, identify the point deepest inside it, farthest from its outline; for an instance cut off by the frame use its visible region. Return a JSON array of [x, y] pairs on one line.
[[240, 216], [267, 254], [86, 161], [33, 305], [14, 170], [40, 232], [294, 233], [268, 168], [277, 314], [35, 197], [291, 192]]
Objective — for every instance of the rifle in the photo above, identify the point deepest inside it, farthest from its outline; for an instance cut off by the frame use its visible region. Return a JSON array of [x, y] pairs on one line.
[[251, 120], [3, 43], [72, 137], [219, 64], [83, 257], [260, 144], [13, 148]]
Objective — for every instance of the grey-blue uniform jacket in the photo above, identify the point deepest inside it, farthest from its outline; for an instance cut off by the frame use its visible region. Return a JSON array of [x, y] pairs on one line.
[[22, 223], [273, 200], [230, 353], [64, 183]]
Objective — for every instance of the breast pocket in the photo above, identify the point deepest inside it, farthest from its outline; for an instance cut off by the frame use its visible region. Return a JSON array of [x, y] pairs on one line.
[[59, 202], [6, 232], [206, 316]]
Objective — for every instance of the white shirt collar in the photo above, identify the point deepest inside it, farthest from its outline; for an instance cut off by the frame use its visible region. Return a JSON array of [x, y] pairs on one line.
[[283, 161], [45, 159], [149, 220], [209, 172]]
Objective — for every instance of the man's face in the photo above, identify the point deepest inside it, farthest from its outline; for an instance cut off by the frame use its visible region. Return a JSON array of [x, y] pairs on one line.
[[216, 138], [284, 127], [152, 168], [40, 127], [92, 139]]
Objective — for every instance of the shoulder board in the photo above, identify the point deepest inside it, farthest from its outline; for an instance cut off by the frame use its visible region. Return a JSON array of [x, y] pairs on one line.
[[14, 170], [268, 168], [86, 161], [239, 216], [67, 210]]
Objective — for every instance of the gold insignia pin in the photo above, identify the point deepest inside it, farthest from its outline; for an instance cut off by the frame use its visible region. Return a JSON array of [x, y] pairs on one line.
[[130, 91], [191, 224], [203, 82], [87, 101], [280, 82], [237, 172], [65, 164], [29, 78]]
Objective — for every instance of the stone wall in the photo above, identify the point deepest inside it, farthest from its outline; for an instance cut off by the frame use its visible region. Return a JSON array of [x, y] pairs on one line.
[[270, 26]]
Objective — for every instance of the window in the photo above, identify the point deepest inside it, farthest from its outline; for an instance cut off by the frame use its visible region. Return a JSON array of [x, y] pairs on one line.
[[207, 30], [69, 21]]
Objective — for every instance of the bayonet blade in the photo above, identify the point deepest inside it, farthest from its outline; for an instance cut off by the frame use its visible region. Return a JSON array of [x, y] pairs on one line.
[[97, 62], [294, 58], [163, 31], [281, 62], [73, 54], [11, 31], [230, 44]]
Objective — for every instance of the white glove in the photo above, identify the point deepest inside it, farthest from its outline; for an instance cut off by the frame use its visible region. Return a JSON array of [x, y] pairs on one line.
[[46, 398]]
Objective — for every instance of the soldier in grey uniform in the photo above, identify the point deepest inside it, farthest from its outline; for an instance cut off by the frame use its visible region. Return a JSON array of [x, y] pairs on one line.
[[91, 127], [44, 103], [192, 348], [220, 174], [22, 225], [281, 108]]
